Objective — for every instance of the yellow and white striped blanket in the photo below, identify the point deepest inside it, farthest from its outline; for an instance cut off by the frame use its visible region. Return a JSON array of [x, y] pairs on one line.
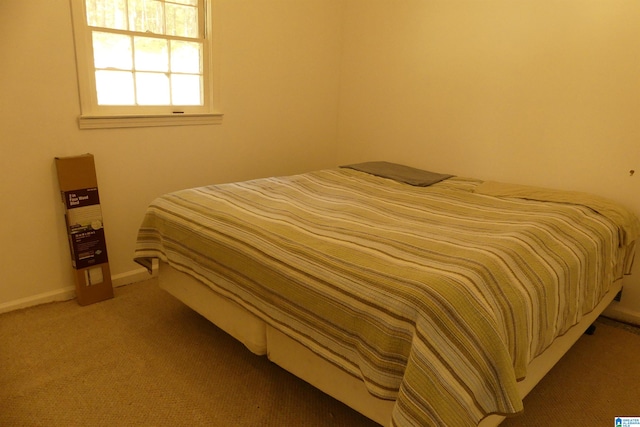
[[437, 297]]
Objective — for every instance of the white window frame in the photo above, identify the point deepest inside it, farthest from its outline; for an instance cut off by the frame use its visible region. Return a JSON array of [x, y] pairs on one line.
[[95, 116]]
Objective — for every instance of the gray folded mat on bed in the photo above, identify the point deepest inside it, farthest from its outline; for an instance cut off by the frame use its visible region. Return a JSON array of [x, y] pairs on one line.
[[401, 173]]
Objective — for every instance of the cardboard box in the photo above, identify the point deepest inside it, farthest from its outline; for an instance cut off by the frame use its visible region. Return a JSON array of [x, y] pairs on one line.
[[83, 217]]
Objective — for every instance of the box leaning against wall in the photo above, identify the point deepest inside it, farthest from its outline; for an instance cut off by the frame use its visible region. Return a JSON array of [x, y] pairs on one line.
[[83, 217]]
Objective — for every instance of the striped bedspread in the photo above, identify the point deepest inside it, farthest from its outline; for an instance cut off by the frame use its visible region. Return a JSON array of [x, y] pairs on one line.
[[437, 297]]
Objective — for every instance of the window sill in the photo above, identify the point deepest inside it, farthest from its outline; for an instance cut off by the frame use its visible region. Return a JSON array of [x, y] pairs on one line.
[[106, 122]]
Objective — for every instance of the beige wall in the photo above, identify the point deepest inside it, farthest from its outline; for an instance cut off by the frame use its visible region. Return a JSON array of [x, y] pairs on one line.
[[279, 75], [539, 92], [543, 92]]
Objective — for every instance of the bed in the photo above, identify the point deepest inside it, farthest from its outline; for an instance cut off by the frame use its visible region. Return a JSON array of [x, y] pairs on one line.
[[416, 298]]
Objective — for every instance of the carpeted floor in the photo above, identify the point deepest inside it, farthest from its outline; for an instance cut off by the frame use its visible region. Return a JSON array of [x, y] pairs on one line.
[[145, 359]]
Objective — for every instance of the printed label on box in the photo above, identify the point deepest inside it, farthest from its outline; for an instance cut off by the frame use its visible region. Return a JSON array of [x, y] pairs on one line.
[[84, 219]]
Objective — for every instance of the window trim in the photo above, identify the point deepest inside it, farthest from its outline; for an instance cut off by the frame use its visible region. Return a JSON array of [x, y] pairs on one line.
[[93, 116]]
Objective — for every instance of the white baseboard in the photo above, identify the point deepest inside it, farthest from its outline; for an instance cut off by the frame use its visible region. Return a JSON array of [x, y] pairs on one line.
[[62, 294], [622, 314], [133, 276], [69, 292]]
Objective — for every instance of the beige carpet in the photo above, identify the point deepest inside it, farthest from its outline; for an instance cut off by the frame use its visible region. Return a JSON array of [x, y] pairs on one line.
[[143, 358]]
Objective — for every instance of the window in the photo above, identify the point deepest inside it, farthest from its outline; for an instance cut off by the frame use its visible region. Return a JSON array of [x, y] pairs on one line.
[[144, 62]]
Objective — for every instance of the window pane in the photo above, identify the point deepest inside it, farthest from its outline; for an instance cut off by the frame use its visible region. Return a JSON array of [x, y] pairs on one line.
[[107, 14], [186, 57], [114, 87], [152, 89], [151, 54], [186, 89], [112, 51], [181, 20], [146, 15]]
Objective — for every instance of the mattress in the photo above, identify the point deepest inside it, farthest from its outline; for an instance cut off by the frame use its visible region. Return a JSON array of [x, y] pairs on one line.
[[437, 298]]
